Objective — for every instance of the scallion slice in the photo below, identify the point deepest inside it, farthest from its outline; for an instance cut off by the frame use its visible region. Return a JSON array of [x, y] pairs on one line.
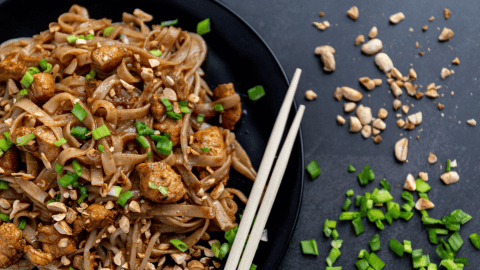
[[143, 129], [79, 111], [43, 64], [49, 68], [205, 149], [77, 167], [164, 146], [80, 132], [4, 185], [22, 93], [256, 93], [91, 74], [179, 245], [60, 142], [4, 217], [67, 179], [156, 52], [230, 234], [115, 191], [21, 141], [313, 169], [108, 31], [174, 115], [101, 132], [22, 223], [218, 107], [142, 141], [169, 23], [27, 79], [396, 247], [167, 104], [33, 70], [449, 165], [72, 39], [90, 37], [200, 118], [100, 148], [122, 200], [309, 247], [58, 168], [203, 27]]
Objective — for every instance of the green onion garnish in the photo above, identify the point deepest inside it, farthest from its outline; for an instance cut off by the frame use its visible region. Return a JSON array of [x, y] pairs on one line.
[[79, 111], [475, 239], [27, 79], [163, 190], [81, 37], [108, 31], [350, 193], [309, 247], [67, 179], [230, 234], [224, 249], [60, 142], [396, 247], [169, 23], [77, 167], [256, 93], [358, 226], [80, 132], [366, 176], [385, 184], [179, 245], [43, 64], [422, 186], [200, 118], [122, 200], [333, 256], [81, 199], [455, 241], [22, 93], [184, 109], [4, 185], [33, 70], [253, 267], [4, 146], [205, 149], [101, 132], [375, 243], [49, 68], [72, 39], [143, 129], [156, 52], [449, 166], [216, 249], [218, 107], [164, 146], [4, 217], [22, 223], [149, 154], [313, 169], [21, 141], [351, 168], [58, 168], [91, 74], [167, 104], [142, 141], [100, 148], [203, 27], [174, 115], [90, 37]]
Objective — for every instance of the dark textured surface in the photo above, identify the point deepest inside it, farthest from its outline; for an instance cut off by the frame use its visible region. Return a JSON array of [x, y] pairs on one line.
[[287, 28]]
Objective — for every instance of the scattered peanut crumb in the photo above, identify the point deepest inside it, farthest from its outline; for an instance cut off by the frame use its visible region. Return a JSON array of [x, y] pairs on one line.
[[321, 14], [447, 13], [382, 113], [400, 123], [417, 45], [377, 139], [446, 34], [432, 159], [359, 40], [431, 19], [373, 32], [452, 93], [441, 106], [377, 82], [456, 61], [340, 120], [396, 104], [421, 53], [445, 73], [397, 17], [405, 109], [472, 122], [310, 95], [410, 29], [425, 27], [353, 13]]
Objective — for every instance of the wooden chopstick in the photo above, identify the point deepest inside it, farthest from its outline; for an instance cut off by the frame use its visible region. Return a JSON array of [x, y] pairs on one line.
[[271, 193], [262, 175]]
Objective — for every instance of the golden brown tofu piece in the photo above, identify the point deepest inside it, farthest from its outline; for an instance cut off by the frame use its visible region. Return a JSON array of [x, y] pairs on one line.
[[157, 108], [95, 216], [15, 66], [9, 160], [50, 237], [37, 256], [231, 116], [107, 58], [45, 139], [11, 244], [160, 174], [171, 126], [210, 138], [42, 88]]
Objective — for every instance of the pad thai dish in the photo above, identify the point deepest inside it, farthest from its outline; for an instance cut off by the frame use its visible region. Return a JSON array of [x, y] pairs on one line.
[[107, 159]]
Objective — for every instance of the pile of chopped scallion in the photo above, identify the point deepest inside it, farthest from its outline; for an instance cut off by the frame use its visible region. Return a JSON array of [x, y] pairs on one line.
[[370, 205]]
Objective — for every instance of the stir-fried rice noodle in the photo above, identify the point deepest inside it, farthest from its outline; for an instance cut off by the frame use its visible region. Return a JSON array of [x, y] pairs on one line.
[[118, 81]]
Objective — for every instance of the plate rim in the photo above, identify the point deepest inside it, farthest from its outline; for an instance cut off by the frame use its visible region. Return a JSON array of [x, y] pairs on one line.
[[295, 108]]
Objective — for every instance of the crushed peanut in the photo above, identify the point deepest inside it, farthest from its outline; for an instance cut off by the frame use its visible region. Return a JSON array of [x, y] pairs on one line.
[[340, 120], [447, 13], [425, 28], [373, 32], [310, 95], [472, 122], [423, 176], [432, 159], [383, 61], [355, 125], [359, 40], [382, 113], [431, 19], [377, 139], [396, 104], [401, 149], [445, 73], [353, 13], [397, 17], [349, 106], [456, 61], [400, 123], [446, 34], [372, 47], [326, 53]]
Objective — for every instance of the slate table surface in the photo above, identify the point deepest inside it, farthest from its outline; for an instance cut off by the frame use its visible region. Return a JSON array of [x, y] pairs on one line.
[[287, 28]]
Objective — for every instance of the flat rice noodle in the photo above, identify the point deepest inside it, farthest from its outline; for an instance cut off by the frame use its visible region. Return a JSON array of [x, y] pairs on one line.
[[124, 74], [63, 88], [91, 25], [243, 169], [111, 113], [181, 210], [219, 174], [34, 191], [125, 159], [86, 252], [103, 89], [184, 139], [62, 120], [68, 136], [194, 237], [70, 153], [127, 18], [130, 114], [47, 175], [209, 110], [197, 53], [117, 143], [238, 193], [34, 110], [21, 265], [163, 228], [70, 17], [67, 53], [33, 166], [96, 176], [71, 67], [55, 103], [221, 217], [203, 160]]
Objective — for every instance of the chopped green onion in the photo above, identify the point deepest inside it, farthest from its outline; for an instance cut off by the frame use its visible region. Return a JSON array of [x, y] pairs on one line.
[[27, 79], [335, 234], [351, 168], [80, 132], [122, 200], [115, 191], [90, 37], [72, 39], [449, 264], [309, 247], [218, 107], [163, 190], [375, 262], [417, 253], [174, 115], [4, 185], [164, 146], [200, 118], [4, 217], [22, 93], [205, 149], [349, 193], [333, 256], [407, 196], [8, 139], [49, 68], [385, 184], [203, 27], [142, 141], [421, 262], [366, 176], [337, 244], [347, 204], [60, 142], [406, 215], [432, 236], [358, 200], [256, 93], [375, 243], [156, 52], [393, 209], [21, 141], [184, 109], [449, 166], [167, 104], [100, 148], [43, 64], [149, 154], [33, 70], [91, 74], [179, 245], [423, 195], [101, 132], [407, 245], [169, 23], [22, 223], [382, 196], [230, 234], [475, 239], [58, 168], [358, 226], [4, 145], [396, 247], [79, 112], [362, 254], [313, 169], [362, 264], [77, 167], [67, 179], [455, 241], [224, 249], [143, 129], [422, 186], [375, 214], [108, 31], [463, 261]]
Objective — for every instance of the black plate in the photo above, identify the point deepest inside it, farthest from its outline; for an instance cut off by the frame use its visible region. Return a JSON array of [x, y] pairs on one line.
[[236, 54]]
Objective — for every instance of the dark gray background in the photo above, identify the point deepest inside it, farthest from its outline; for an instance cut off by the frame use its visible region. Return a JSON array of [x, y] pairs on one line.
[[287, 28]]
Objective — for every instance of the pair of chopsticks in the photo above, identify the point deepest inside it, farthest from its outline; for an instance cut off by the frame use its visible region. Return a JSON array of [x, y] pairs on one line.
[[260, 182]]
